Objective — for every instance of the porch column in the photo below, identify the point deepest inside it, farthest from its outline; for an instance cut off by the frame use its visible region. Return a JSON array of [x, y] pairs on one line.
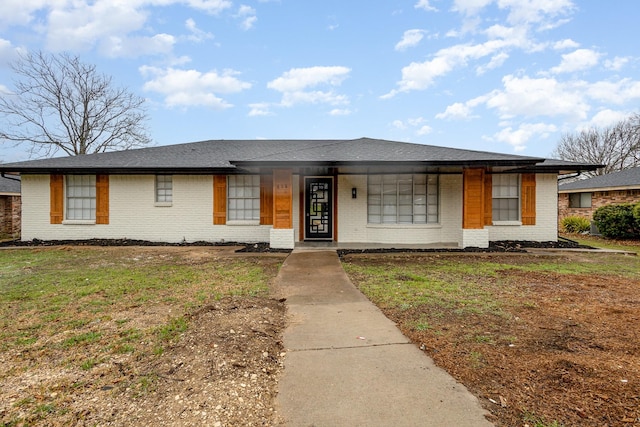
[[474, 232], [282, 235]]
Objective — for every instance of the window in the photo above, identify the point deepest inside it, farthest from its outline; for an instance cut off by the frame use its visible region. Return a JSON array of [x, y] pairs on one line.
[[580, 200], [402, 199], [243, 198], [506, 197], [81, 197], [164, 188]]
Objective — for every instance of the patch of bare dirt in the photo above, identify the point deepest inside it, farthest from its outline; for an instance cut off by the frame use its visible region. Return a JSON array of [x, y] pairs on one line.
[[567, 350], [222, 371]]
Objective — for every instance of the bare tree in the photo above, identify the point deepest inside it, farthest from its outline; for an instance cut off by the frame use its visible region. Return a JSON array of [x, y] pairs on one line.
[[61, 103], [616, 146]]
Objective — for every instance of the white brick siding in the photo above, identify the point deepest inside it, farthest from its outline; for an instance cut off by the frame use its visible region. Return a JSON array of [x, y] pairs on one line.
[[133, 215], [545, 228], [352, 216]]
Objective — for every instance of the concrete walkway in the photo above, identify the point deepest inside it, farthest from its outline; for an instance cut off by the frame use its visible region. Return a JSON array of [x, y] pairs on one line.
[[348, 365]]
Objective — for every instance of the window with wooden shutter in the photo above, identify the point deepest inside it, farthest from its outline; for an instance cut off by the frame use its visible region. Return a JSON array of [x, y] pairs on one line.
[[102, 199], [56, 193], [528, 198], [219, 199]]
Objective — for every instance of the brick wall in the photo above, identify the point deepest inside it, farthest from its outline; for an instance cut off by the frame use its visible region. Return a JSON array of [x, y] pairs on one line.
[[10, 207], [598, 199]]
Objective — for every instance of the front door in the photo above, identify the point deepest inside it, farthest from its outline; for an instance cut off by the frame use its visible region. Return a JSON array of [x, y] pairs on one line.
[[318, 208]]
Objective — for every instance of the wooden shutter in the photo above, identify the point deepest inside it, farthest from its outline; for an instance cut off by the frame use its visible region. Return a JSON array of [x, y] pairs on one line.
[[266, 199], [102, 199], [283, 198], [473, 198], [56, 195], [528, 194], [219, 199], [488, 199]]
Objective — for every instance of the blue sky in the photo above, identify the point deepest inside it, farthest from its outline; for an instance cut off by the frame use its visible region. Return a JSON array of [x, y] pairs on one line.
[[494, 75]]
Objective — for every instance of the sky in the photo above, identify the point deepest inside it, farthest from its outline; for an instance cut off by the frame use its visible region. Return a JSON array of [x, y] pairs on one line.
[[507, 76]]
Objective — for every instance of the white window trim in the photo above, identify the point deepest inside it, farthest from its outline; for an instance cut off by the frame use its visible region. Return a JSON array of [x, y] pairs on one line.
[[426, 224], [155, 191], [512, 222], [78, 222], [253, 221], [74, 221]]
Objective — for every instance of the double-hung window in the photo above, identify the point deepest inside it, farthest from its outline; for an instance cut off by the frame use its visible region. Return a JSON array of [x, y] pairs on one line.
[[580, 200], [81, 197], [402, 199], [506, 197], [243, 198], [164, 188]]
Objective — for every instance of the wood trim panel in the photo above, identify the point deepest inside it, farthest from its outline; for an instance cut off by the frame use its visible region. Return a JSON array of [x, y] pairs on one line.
[[488, 199], [266, 199], [301, 207], [219, 199], [473, 198], [56, 195], [528, 198], [282, 199], [102, 199]]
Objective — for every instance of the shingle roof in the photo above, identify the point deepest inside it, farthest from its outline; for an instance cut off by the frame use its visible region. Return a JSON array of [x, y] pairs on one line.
[[207, 156], [9, 186], [624, 178]]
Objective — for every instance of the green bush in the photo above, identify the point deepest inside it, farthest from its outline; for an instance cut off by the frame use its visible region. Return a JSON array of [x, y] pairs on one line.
[[617, 221], [576, 224]]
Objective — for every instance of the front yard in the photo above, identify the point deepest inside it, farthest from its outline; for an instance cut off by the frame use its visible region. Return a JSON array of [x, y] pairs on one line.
[[542, 340], [192, 336], [137, 336]]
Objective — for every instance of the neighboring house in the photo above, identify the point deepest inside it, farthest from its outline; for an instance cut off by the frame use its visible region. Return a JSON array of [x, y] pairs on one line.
[[583, 197], [9, 207], [287, 191]]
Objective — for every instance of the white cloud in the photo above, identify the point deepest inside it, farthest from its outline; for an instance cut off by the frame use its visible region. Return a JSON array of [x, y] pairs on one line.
[[197, 35], [614, 92], [340, 112], [413, 123], [457, 110], [410, 38], [565, 44], [421, 75], [577, 60], [604, 118], [519, 137], [260, 109], [109, 25], [296, 84], [616, 63], [424, 5], [495, 62], [135, 46], [248, 17], [186, 88], [525, 96]]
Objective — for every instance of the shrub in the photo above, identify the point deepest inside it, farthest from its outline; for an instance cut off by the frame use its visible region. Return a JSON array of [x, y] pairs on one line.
[[617, 221], [576, 224]]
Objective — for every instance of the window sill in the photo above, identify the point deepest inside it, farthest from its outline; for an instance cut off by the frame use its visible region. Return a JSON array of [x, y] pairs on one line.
[[434, 225], [243, 222], [506, 223], [79, 222], [163, 204]]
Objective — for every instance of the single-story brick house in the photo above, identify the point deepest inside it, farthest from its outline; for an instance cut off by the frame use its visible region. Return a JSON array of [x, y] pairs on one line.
[[286, 191], [583, 197], [10, 207]]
